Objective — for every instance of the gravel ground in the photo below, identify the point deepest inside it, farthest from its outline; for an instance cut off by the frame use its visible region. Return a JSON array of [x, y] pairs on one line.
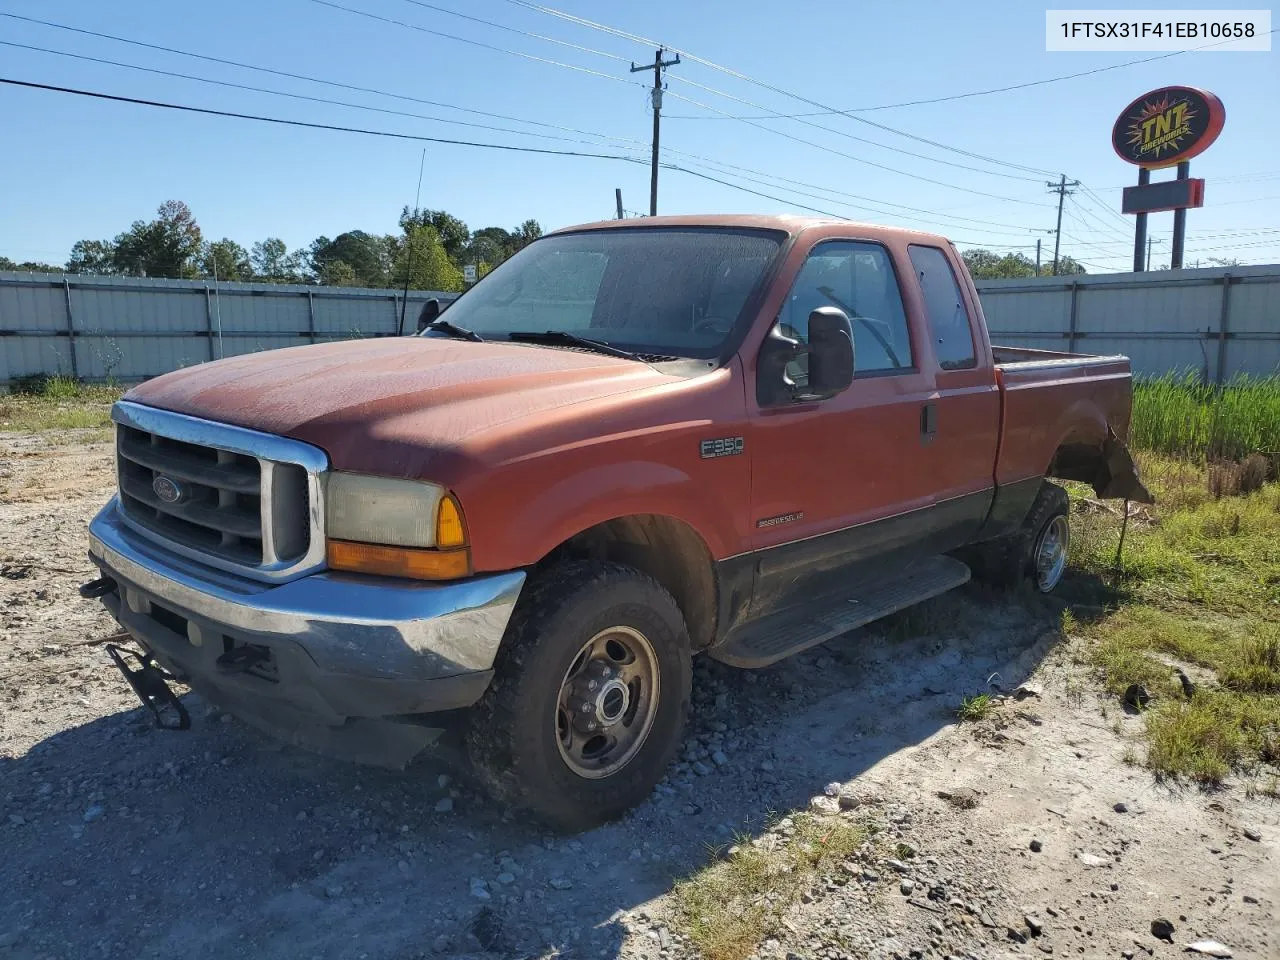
[[121, 840]]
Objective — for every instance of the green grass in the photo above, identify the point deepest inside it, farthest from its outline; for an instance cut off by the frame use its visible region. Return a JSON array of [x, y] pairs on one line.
[[1179, 415], [730, 906], [1198, 587], [57, 403], [975, 708]]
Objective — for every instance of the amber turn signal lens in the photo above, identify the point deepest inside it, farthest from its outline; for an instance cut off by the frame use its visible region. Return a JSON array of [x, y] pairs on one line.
[[450, 531], [398, 561]]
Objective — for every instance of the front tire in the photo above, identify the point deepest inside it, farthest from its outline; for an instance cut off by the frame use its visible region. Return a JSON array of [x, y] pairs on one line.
[[589, 696]]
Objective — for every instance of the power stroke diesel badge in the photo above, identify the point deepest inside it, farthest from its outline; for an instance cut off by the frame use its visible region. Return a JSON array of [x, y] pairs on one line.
[[724, 447]]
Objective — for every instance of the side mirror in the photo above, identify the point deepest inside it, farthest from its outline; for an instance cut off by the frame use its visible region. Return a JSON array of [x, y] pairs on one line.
[[773, 386], [830, 353], [430, 311]]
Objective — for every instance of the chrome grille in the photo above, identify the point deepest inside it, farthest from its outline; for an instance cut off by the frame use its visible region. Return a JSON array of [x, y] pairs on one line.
[[234, 498]]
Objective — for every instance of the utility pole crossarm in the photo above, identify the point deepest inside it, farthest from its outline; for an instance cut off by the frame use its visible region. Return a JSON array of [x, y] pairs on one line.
[[657, 67]]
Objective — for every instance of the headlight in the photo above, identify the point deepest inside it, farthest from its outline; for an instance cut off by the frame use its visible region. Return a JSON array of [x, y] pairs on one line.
[[400, 528], [376, 510]]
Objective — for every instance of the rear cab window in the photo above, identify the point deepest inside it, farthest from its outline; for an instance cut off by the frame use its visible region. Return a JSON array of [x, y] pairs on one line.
[[944, 307]]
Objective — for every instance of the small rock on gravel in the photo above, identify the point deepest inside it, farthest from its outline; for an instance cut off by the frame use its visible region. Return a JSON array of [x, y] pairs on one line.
[[1209, 948], [1253, 833], [444, 804], [479, 889], [848, 800], [824, 804], [1121, 807], [1033, 924], [1162, 929], [907, 886], [95, 812], [1092, 860], [1036, 846], [560, 883]]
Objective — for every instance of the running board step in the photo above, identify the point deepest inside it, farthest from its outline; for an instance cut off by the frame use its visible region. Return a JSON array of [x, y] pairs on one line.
[[779, 635]]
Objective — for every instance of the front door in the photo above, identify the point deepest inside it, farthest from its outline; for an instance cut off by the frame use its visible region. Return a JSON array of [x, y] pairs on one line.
[[842, 481]]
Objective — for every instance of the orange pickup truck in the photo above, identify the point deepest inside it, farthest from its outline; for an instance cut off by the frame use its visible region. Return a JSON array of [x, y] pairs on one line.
[[630, 444]]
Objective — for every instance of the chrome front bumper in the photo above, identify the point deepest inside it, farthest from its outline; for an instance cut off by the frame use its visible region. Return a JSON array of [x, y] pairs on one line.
[[342, 647]]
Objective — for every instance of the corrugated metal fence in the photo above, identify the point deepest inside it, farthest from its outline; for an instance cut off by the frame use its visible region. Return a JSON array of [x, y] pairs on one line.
[[1220, 321], [98, 328]]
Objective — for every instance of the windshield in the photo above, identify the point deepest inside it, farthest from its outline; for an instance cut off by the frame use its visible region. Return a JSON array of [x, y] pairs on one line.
[[675, 292]]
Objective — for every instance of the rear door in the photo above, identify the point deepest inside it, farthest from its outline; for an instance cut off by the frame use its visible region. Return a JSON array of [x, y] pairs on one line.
[[844, 480], [961, 455]]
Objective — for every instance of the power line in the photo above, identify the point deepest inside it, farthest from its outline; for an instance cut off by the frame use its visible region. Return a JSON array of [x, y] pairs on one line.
[[474, 43], [97, 95], [711, 64], [310, 79], [209, 111], [965, 96], [857, 159], [516, 30], [873, 205], [338, 6], [283, 93], [850, 136]]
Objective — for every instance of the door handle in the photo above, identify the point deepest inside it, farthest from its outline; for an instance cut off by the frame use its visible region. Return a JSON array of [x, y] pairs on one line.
[[928, 422]]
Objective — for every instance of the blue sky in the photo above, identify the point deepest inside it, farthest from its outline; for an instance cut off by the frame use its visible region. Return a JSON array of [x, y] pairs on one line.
[[73, 168]]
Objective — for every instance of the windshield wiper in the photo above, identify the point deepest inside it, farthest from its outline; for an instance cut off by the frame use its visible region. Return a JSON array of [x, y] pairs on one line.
[[570, 339], [453, 330]]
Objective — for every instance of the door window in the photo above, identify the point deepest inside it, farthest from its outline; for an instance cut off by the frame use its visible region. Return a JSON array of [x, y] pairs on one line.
[[944, 309], [858, 277]]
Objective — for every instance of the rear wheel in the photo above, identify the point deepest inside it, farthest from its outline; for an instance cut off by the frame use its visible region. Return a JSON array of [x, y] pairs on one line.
[[589, 696], [1037, 552]]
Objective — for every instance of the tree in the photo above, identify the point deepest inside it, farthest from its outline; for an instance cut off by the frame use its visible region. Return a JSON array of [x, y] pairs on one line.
[[92, 256], [368, 256], [985, 265], [431, 268], [338, 273], [167, 246], [526, 233], [453, 233], [490, 245], [273, 262], [225, 260], [29, 266], [1067, 267]]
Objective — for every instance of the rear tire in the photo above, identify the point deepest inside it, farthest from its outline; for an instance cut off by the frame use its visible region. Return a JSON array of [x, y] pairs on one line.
[[589, 696], [1036, 553]]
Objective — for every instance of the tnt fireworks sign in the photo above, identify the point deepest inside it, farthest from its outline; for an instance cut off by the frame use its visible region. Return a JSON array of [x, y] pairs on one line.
[[1167, 126]]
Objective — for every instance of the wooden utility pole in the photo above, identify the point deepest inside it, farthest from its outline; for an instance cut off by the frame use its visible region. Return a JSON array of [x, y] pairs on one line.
[[1061, 189], [1037, 256], [617, 195], [656, 96]]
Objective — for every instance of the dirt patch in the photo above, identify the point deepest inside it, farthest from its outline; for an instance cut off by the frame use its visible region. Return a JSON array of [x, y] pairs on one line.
[[123, 841]]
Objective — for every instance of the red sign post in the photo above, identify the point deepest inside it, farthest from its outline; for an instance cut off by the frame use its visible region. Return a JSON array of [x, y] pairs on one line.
[[1166, 128]]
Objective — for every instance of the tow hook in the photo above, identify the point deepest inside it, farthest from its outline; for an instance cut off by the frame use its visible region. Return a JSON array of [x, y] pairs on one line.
[[151, 684], [97, 588]]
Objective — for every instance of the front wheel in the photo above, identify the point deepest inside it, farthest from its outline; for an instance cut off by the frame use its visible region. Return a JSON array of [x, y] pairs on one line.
[[589, 696]]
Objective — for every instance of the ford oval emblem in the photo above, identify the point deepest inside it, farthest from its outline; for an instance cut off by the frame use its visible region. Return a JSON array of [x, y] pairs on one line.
[[167, 489]]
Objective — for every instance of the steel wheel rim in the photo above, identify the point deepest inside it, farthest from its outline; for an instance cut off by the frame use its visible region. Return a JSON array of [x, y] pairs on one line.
[[607, 702], [1051, 553]]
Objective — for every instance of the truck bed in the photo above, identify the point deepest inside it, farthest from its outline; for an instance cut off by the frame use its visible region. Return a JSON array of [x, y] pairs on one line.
[[1055, 406]]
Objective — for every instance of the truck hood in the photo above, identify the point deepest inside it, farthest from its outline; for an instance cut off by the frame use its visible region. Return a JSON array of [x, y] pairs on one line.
[[390, 405]]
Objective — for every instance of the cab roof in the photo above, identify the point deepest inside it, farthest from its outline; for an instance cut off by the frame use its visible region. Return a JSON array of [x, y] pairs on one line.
[[787, 223]]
